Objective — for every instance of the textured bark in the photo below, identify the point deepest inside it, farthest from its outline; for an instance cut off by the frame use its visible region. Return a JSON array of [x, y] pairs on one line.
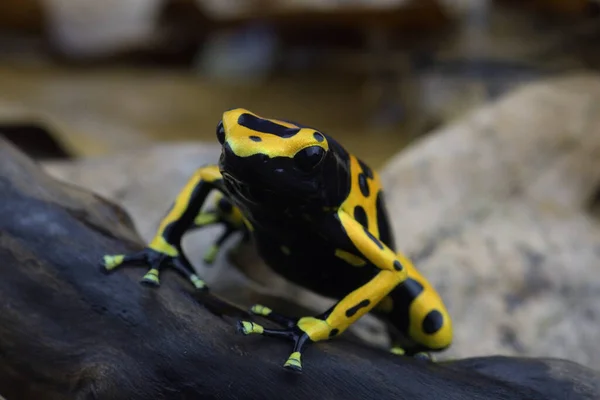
[[67, 331]]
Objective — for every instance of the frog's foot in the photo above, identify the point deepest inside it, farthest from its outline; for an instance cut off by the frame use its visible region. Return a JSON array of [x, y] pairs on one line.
[[290, 332], [156, 261], [421, 355]]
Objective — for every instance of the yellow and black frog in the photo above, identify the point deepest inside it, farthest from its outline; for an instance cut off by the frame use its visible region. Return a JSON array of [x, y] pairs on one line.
[[318, 217]]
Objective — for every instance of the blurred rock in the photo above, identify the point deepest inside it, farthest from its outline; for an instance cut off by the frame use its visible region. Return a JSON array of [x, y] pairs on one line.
[[50, 107], [490, 209], [85, 28], [563, 8], [244, 56], [222, 9]]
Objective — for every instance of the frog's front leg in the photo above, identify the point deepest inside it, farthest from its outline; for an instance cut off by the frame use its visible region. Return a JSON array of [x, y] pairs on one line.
[[226, 214], [164, 251], [209, 218], [353, 306], [213, 251]]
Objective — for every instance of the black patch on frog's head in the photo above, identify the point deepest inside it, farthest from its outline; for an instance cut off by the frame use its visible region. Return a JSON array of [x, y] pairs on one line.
[[277, 182]]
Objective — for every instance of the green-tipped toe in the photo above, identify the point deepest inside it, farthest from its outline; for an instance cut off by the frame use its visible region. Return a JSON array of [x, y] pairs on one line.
[[423, 356], [211, 254], [259, 309], [151, 278], [111, 262], [294, 362], [197, 282], [248, 328]]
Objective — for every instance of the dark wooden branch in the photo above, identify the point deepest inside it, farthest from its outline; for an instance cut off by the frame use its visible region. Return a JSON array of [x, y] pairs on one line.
[[67, 331]]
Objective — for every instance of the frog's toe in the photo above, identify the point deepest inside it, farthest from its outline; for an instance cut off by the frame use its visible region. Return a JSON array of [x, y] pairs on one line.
[[151, 278], [424, 356], [259, 309], [294, 362], [211, 254], [420, 355], [249, 328], [112, 261], [197, 282]]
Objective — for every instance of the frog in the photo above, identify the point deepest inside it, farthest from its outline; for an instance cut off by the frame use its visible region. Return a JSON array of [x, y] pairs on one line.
[[317, 216]]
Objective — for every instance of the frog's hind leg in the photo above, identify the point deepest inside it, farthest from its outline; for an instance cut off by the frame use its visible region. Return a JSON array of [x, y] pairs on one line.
[[294, 362], [416, 311]]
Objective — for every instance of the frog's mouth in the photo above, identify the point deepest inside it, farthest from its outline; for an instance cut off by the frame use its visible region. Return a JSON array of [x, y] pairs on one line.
[[237, 188], [259, 195], [261, 181]]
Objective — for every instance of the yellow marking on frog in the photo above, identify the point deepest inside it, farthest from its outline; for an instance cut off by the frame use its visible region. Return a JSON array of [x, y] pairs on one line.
[[160, 244], [363, 299], [111, 262], [372, 248], [248, 224], [397, 350], [315, 328], [238, 138], [206, 218], [350, 258], [427, 301], [357, 199], [207, 174], [235, 217], [261, 310], [386, 305]]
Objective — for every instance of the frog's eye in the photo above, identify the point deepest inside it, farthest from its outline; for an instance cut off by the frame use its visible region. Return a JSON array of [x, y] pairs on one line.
[[309, 158], [221, 132]]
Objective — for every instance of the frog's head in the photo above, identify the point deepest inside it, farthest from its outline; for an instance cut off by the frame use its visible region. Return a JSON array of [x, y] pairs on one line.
[[270, 162]]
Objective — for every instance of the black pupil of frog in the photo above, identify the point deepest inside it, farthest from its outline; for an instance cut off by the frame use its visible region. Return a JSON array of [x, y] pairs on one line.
[[308, 158], [221, 132]]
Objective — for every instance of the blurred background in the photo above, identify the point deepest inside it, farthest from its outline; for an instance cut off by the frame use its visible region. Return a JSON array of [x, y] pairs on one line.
[[84, 77]]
